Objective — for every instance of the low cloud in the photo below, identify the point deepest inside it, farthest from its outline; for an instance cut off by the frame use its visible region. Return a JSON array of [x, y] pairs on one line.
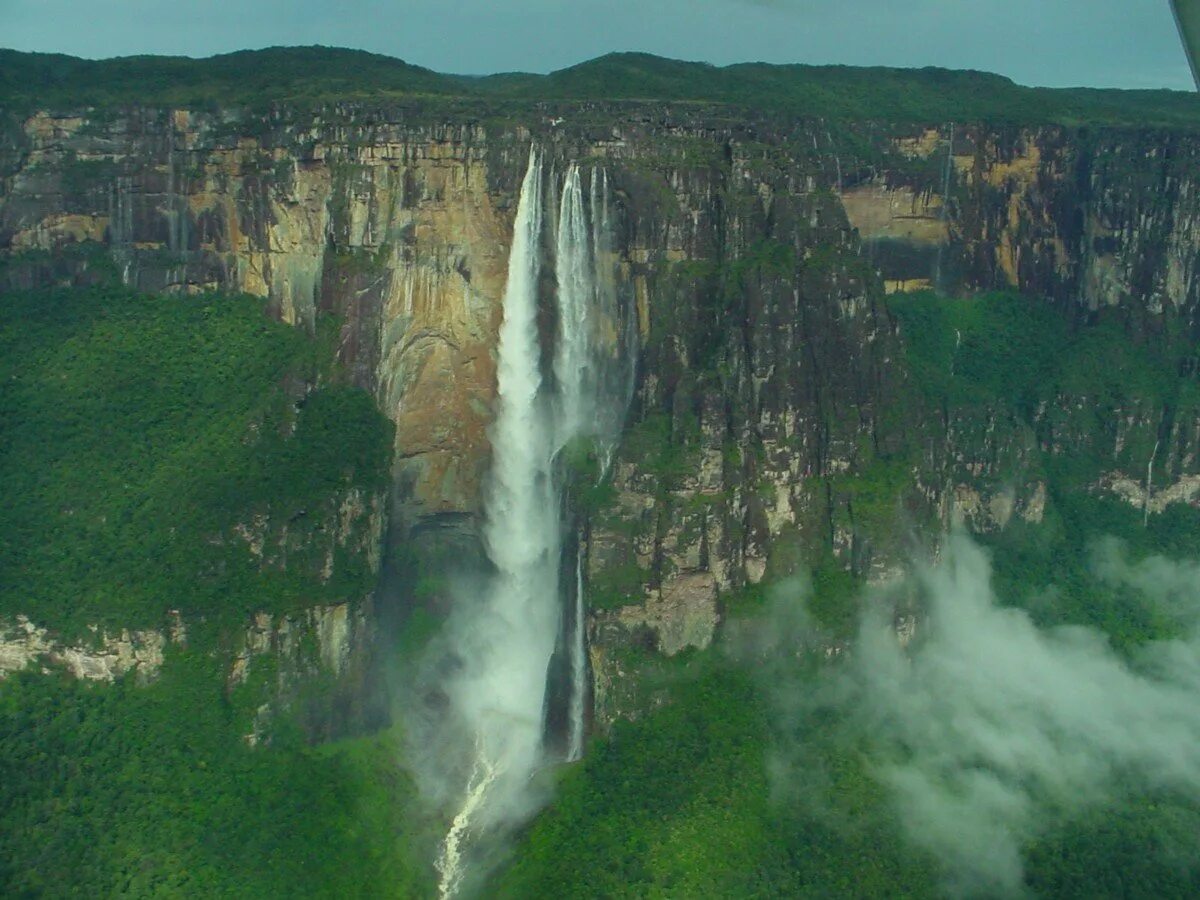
[[987, 731]]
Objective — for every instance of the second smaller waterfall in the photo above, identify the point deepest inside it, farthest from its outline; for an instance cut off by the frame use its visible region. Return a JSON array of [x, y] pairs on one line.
[[594, 363]]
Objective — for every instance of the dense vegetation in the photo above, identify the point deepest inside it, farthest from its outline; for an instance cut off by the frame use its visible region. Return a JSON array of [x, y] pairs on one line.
[[245, 77], [726, 793], [149, 790], [683, 804], [141, 433], [1020, 360], [1007, 350], [322, 74], [138, 431]]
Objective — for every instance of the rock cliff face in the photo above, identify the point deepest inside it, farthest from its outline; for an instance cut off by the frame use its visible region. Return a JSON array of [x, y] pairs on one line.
[[275, 663], [394, 228], [24, 644], [771, 398], [1091, 219]]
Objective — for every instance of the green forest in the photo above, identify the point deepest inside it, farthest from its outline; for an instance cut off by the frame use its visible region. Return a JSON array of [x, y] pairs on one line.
[[150, 791], [140, 431]]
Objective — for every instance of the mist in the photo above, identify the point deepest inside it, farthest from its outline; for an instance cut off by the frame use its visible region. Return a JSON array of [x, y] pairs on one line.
[[986, 730]]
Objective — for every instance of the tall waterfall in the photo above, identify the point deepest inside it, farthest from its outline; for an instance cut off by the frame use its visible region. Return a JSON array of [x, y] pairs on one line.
[[504, 640], [508, 638]]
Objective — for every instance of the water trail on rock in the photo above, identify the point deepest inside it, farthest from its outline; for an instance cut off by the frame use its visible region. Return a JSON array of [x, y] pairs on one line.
[[450, 860], [579, 675]]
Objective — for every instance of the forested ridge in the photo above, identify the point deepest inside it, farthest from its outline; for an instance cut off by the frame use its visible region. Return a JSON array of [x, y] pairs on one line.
[[318, 75]]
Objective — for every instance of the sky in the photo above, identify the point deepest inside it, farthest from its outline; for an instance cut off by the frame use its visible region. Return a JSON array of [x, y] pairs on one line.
[[1058, 43]]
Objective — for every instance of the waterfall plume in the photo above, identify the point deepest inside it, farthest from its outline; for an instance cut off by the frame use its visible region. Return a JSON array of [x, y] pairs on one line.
[[504, 639]]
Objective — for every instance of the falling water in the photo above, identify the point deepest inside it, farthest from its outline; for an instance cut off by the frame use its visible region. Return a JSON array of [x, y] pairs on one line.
[[576, 293], [506, 638], [575, 269], [595, 360], [510, 638]]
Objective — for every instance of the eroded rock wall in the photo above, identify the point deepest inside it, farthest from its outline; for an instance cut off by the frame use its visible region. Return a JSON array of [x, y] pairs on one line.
[[769, 422], [1092, 218]]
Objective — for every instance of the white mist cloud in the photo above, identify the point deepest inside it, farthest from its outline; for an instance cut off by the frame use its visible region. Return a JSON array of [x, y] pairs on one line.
[[990, 729]]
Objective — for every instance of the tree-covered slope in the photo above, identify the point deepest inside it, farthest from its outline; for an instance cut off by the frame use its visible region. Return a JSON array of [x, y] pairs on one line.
[[244, 77], [152, 442], [150, 791], [142, 436]]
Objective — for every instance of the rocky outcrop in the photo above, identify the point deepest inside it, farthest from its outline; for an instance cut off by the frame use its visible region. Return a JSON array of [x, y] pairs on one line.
[[315, 662], [353, 522], [1184, 491], [399, 224], [396, 229], [103, 657], [333, 634], [1091, 218]]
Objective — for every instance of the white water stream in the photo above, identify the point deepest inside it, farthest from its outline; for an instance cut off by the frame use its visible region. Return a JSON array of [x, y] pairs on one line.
[[500, 692], [510, 634]]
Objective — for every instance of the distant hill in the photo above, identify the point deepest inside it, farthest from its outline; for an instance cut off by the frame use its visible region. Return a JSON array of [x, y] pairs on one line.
[[323, 74], [248, 76]]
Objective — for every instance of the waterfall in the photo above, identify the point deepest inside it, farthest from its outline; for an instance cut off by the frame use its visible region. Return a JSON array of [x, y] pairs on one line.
[[521, 628], [576, 282], [594, 366], [576, 294], [506, 641]]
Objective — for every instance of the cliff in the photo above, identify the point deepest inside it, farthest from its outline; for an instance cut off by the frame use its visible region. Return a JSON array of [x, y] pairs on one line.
[[780, 418]]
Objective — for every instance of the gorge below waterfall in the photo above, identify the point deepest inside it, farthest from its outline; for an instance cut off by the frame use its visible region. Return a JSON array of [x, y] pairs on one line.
[[527, 614]]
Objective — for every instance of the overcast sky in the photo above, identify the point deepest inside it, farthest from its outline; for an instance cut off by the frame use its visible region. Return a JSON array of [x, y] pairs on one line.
[[1103, 43]]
